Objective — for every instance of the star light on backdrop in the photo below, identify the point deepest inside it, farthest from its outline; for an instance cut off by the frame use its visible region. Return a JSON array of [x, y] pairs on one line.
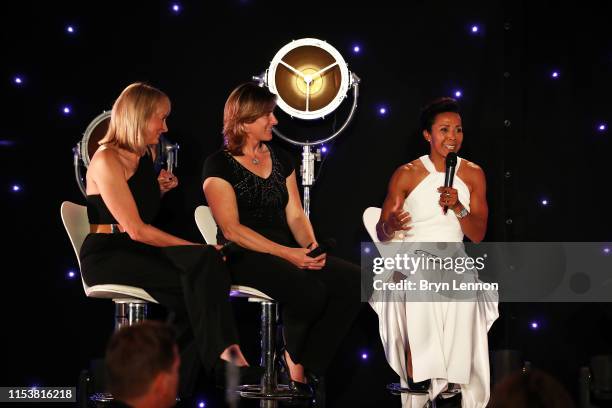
[[310, 79]]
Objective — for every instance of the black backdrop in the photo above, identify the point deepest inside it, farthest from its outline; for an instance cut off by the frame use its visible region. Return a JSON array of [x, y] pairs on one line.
[[534, 136]]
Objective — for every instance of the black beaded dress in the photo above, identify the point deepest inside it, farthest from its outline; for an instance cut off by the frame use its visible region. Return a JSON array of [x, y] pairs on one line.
[[318, 307]]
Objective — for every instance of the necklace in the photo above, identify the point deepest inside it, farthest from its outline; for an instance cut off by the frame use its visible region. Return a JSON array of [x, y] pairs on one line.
[[255, 160]]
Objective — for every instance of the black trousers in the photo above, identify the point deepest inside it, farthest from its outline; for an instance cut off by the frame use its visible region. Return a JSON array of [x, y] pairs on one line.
[[191, 280], [317, 307]]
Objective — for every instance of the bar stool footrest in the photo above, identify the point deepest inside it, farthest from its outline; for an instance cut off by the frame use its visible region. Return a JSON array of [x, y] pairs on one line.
[[397, 389], [281, 392], [105, 397]]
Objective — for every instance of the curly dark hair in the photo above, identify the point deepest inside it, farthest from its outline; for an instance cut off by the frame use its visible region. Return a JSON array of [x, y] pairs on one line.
[[435, 107]]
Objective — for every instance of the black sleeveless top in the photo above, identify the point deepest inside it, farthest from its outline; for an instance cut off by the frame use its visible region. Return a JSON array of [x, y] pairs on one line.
[[261, 201], [145, 189]]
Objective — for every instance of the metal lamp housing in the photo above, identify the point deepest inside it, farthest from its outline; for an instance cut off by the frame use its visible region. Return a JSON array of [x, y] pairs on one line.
[[310, 78]]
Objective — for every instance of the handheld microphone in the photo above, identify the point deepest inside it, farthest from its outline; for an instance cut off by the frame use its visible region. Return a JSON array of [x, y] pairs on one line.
[[451, 163], [171, 160], [325, 246]]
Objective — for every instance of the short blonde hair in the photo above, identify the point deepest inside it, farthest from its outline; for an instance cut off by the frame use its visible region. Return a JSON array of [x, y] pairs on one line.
[[131, 111], [246, 104]]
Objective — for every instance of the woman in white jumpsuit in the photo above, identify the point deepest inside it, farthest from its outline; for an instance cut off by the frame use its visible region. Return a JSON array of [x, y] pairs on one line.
[[445, 342]]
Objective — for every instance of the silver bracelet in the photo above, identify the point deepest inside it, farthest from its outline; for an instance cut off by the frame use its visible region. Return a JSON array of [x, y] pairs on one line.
[[382, 227]]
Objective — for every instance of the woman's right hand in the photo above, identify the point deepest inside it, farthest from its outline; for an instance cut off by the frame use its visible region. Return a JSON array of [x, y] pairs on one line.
[[298, 257], [398, 218]]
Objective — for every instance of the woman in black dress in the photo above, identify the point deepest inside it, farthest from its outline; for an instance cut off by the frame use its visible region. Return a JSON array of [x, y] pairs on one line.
[[250, 186], [123, 198]]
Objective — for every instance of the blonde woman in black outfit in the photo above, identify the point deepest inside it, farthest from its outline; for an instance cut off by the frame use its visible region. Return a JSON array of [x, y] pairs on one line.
[[123, 198]]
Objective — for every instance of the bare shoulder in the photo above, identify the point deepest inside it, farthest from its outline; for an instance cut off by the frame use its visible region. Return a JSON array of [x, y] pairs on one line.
[[105, 154], [107, 159], [472, 168], [412, 168], [472, 173], [407, 176]]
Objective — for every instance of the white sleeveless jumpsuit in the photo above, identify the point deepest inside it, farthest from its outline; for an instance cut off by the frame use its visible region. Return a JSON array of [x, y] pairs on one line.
[[448, 340]]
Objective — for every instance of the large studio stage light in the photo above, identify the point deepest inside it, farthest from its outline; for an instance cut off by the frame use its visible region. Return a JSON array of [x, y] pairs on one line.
[[310, 79], [166, 153]]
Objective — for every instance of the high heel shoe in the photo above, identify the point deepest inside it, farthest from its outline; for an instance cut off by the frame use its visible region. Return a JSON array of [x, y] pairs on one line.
[[317, 382], [298, 389]]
